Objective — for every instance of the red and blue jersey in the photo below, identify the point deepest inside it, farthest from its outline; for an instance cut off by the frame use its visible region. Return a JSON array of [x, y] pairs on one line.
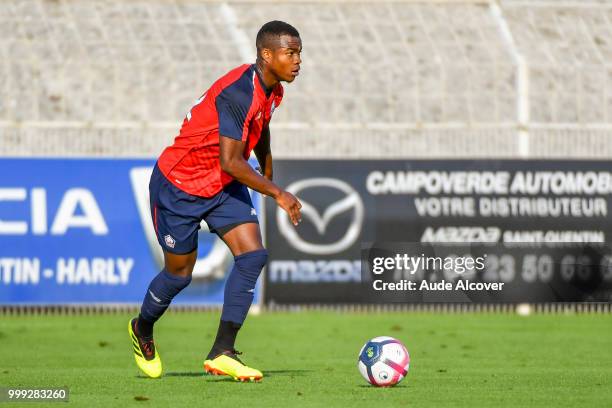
[[237, 106]]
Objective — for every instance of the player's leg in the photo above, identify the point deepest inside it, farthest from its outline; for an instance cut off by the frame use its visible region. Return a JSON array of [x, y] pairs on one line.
[[235, 221], [176, 228], [168, 283], [244, 241], [250, 257]]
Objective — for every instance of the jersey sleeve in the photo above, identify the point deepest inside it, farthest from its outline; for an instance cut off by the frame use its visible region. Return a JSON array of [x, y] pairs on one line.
[[233, 111]]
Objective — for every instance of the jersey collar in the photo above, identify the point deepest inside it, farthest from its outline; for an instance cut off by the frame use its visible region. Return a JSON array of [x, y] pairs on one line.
[[262, 86]]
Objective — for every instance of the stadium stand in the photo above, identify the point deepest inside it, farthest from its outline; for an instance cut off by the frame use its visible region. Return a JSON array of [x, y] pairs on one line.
[[391, 78]]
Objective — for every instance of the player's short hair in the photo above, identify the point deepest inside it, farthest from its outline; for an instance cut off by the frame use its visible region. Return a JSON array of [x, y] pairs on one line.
[[272, 30]]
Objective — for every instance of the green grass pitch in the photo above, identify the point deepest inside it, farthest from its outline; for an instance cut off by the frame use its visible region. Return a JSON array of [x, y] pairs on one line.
[[309, 360]]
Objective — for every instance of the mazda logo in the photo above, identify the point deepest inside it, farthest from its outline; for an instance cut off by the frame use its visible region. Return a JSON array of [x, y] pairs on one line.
[[321, 220]]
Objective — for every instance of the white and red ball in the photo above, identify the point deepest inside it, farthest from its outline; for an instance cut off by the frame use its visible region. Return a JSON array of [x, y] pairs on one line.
[[383, 361]]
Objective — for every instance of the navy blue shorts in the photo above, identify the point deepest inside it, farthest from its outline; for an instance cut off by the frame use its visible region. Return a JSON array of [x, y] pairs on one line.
[[176, 214]]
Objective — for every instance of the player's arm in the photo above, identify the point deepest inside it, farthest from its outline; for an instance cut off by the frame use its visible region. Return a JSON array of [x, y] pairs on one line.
[[263, 153], [234, 164]]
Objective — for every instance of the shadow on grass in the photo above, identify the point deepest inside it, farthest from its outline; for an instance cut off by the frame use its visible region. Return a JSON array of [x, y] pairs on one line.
[[274, 373], [267, 373], [220, 378], [171, 374], [186, 374], [384, 388]]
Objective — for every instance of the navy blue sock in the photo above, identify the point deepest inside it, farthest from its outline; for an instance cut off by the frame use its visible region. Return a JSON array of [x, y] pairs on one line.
[[162, 289], [226, 337], [240, 285]]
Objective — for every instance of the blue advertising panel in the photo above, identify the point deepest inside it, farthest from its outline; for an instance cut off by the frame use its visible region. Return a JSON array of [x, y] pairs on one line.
[[80, 231]]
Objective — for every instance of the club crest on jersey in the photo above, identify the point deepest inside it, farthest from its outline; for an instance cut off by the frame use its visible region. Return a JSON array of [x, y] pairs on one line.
[[170, 242]]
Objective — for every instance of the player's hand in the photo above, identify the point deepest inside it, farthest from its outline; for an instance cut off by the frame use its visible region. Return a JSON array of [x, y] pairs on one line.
[[289, 203]]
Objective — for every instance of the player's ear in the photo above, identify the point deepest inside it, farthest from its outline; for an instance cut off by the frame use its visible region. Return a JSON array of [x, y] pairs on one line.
[[266, 55]]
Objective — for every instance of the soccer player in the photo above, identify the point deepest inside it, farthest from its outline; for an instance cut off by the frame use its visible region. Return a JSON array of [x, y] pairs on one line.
[[204, 175]]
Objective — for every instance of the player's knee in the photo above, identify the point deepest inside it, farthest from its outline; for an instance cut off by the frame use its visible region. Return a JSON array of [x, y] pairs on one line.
[[183, 269], [258, 258], [252, 262], [183, 272], [180, 265]]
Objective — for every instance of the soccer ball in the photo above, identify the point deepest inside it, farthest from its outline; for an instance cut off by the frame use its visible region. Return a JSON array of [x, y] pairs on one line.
[[383, 361]]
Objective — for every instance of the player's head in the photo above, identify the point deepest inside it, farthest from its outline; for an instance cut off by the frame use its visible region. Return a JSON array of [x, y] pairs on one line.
[[278, 49]]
